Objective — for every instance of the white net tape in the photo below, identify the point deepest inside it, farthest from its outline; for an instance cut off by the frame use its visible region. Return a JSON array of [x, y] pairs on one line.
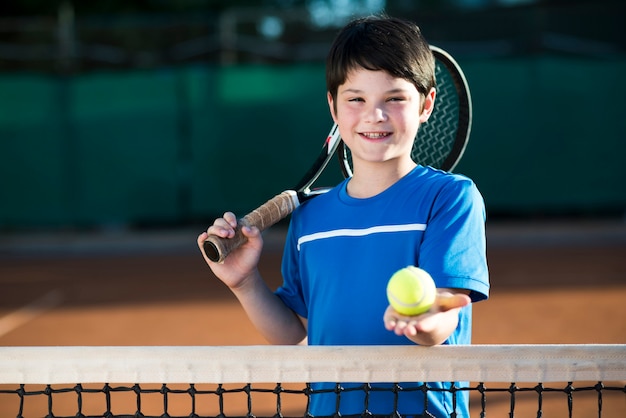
[[253, 364]]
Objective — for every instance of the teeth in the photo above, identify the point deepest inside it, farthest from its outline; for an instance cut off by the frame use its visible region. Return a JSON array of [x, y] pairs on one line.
[[375, 135]]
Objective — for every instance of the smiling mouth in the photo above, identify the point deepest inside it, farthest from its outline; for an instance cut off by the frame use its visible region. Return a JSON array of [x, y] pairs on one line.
[[375, 135]]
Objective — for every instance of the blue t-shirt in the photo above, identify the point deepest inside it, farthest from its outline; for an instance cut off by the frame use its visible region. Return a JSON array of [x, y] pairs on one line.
[[341, 251]]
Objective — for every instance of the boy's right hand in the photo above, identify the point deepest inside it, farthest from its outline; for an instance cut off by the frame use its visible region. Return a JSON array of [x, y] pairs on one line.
[[242, 262]]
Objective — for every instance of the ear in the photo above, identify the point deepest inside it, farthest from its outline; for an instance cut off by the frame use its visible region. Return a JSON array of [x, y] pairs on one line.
[[331, 106], [429, 105]]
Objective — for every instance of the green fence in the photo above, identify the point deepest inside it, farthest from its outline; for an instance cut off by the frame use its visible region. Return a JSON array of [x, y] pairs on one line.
[[549, 135], [183, 144]]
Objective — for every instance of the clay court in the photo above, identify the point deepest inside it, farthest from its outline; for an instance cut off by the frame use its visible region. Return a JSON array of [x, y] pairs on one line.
[[551, 284]]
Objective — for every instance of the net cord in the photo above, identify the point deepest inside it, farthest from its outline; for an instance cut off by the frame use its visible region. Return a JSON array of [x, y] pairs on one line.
[[292, 364]]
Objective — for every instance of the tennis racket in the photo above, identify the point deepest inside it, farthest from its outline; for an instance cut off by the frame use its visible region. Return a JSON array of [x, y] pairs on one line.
[[440, 143]]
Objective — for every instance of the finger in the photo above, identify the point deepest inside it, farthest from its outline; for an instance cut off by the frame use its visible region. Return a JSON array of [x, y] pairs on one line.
[[222, 228], [400, 327], [450, 301], [231, 219], [390, 318], [201, 239], [411, 329], [390, 323], [250, 231]]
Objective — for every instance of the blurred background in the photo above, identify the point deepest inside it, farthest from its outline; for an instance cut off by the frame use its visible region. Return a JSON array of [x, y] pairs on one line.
[[126, 126], [140, 114]]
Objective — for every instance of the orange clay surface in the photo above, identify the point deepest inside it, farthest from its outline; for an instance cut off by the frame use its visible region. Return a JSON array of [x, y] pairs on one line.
[[544, 293]]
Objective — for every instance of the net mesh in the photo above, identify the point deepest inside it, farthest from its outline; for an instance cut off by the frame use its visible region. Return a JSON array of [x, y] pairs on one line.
[[526, 381]]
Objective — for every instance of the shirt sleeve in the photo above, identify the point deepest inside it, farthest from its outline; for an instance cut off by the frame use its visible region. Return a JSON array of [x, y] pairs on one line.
[[453, 250], [291, 291]]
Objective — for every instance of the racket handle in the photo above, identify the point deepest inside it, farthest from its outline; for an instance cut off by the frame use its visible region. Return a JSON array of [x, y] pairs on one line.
[[266, 215]]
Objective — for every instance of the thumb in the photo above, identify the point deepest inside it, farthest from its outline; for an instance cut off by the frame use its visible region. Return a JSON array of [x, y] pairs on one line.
[[448, 301]]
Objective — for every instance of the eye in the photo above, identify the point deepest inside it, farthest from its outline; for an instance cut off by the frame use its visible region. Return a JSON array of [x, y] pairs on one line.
[[396, 99], [356, 99]]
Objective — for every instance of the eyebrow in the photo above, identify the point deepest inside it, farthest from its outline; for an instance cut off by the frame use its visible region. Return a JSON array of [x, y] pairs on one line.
[[358, 91]]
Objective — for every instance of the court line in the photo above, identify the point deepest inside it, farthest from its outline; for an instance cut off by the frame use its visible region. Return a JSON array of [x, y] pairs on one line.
[[30, 311]]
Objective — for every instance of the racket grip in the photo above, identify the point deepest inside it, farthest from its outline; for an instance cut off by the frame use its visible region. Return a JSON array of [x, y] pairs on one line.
[[279, 207]]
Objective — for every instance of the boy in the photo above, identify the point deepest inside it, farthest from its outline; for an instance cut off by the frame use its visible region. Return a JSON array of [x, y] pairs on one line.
[[392, 213]]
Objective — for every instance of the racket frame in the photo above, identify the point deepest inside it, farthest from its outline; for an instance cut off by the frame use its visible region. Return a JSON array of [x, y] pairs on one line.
[[465, 107]]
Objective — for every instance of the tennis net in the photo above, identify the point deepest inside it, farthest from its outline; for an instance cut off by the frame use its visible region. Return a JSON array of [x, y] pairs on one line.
[[275, 381]]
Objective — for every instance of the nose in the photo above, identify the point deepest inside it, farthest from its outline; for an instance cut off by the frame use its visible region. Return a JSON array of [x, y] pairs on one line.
[[376, 114]]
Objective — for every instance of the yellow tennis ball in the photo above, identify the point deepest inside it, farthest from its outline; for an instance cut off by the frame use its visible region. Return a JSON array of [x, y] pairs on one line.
[[411, 291]]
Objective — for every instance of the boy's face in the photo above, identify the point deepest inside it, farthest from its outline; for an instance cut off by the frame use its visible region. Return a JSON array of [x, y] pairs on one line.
[[378, 116]]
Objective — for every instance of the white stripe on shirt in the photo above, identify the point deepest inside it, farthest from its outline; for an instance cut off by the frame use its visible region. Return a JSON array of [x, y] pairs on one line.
[[360, 232]]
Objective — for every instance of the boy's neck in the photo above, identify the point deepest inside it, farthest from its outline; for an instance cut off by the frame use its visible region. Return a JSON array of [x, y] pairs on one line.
[[372, 179]]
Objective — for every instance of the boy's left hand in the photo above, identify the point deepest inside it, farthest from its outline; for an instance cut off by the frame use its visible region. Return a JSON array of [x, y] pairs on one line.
[[432, 320]]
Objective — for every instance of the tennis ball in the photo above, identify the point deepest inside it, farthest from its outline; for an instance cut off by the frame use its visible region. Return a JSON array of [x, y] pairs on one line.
[[411, 291]]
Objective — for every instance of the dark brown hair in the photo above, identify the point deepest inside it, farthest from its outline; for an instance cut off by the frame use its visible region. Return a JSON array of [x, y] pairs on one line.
[[381, 44]]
